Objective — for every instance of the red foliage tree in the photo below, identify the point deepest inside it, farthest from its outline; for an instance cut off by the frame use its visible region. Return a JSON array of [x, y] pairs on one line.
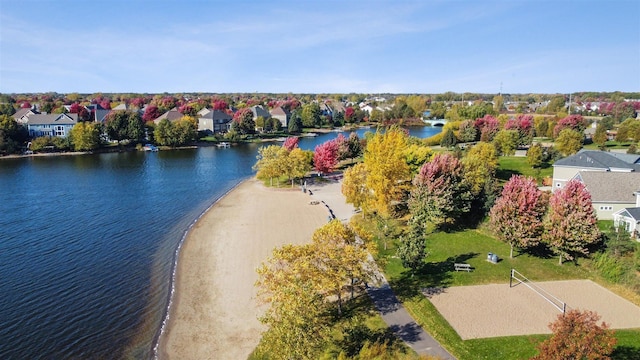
[[137, 102], [74, 108], [577, 335], [219, 104], [291, 143], [350, 115], [105, 104], [488, 126], [516, 217], [571, 223], [325, 156], [151, 113], [573, 122], [26, 105]]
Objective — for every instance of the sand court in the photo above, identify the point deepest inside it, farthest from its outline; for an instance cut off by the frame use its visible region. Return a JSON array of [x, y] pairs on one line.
[[482, 311]]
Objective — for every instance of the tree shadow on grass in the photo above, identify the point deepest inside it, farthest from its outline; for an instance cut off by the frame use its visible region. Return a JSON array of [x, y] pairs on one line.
[[541, 251], [430, 274], [626, 353], [505, 174], [356, 335]]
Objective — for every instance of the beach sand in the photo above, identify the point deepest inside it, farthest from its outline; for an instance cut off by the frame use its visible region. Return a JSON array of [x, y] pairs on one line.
[[215, 310]]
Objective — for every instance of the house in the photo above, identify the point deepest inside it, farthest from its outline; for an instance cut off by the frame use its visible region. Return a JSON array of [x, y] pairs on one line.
[[258, 111], [592, 160], [629, 218], [22, 115], [58, 125], [282, 115], [215, 121], [171, 115], [610, 191]]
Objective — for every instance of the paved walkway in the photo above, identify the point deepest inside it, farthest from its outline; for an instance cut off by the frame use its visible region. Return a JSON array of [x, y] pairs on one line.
[[391, 309]]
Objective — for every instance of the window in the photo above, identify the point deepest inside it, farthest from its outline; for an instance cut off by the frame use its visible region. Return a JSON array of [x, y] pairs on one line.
[[606, 208], [59, 131]]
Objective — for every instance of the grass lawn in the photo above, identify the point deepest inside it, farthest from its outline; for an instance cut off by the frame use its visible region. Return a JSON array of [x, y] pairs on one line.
[[472, 246], [517, 165], [609, 145]]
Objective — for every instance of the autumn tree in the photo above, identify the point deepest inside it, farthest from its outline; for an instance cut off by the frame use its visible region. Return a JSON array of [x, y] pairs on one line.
[[629, 130], [270, 162], [569, 142], [506, 142], [297, 163], [416, 155], [177, 133], [387, 171], [244, 120], [577, 335], [412, 247], [571, 223], [573, 122], [295, 123], [440, 195], [325, 156], [354, 186], [85, 136], [296, 319], [517, 215], [480, 166], [468, 131], [151, 113], [488, 126], [535, 156], [291, 143]]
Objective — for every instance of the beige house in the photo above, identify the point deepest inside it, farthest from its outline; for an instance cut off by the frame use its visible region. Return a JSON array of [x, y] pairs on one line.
[[629, 218], [215, 121], [592, 160], [282, 115], [610, 191]]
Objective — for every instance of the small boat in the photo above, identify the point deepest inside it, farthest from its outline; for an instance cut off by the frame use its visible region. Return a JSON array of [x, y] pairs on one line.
[[224, 145], [309, 134], [150, 147]]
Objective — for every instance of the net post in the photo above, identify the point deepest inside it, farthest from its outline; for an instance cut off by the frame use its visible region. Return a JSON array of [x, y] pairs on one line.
[[511, 279], [564, 308]]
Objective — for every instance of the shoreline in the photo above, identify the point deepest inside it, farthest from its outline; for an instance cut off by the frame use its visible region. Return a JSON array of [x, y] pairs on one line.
[[213, 310]]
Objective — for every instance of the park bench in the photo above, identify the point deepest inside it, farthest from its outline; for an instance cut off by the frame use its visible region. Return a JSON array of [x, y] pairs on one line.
[[462, 267]]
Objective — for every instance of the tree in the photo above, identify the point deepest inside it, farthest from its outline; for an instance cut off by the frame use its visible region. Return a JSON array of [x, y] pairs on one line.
[[480, 165], [600, 136], [271, 162], [569, 142], [628, 130], [506, 142], [151, 113], [295, 123], [325, 156], [412, 248], [448, 139], [291, 143], [387, 169], [85, 136], [297, 325], [440, 195], [517, 215], [124, 125], [535, 156], [468, 131], [498, 103], [416, 155], [573, 122], [311, 115], [12, 135], [297, 163], [577, 335], [571, 223], [354, 187], [244, 119], [488, 126]]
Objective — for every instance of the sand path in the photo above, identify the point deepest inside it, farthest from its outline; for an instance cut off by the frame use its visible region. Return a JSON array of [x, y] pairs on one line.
[[215, 311]]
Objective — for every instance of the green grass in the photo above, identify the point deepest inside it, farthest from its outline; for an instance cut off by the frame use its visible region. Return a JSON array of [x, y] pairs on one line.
[[609, 145], [517, 165]]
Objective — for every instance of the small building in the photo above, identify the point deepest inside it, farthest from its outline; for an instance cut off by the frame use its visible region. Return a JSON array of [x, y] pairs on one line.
[[258, 111], [629, 218], [59, 125], [215, 121], [281, 114]]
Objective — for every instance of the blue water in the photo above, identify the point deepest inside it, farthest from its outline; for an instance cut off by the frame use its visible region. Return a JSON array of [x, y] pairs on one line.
[[87, 244]]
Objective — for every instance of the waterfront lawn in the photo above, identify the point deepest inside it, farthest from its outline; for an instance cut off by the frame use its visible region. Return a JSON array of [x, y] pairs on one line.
[[517, 165], [472, 246]]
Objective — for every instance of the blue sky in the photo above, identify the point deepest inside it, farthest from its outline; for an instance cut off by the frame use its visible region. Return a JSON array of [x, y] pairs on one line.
[[319, 46]]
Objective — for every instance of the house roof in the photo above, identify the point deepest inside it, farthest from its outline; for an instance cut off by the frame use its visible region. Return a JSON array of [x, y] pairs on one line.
[[22, 112], [633, 212], [171, 115], [614, 187], [596, 159], [122, 106], [258, 110], [217, 115], [280, 111], [101, 114], [53, 119]]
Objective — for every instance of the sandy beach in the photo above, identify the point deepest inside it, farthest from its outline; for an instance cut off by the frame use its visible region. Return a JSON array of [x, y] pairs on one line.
[[214, 315]]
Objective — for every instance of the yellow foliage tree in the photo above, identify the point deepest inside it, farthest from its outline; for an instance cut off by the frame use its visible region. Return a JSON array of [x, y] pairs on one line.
[[388, 174], [480, 165], [271, 162], [354, 186]]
